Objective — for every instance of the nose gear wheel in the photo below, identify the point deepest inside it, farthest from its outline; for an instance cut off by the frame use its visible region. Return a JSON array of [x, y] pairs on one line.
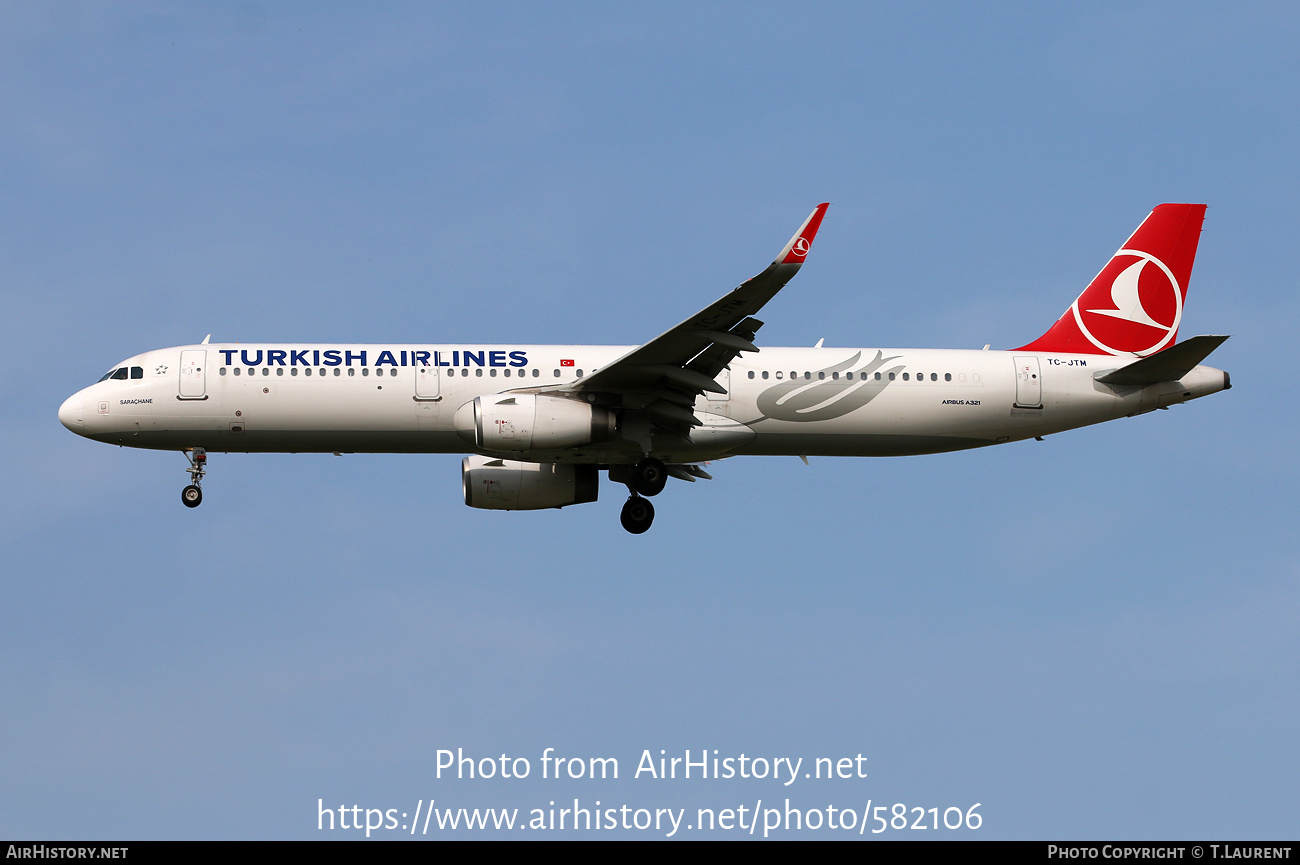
[[192, 495]]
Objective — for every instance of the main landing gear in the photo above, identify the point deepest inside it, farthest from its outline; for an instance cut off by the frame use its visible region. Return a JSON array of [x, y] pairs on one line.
[[646, 478], [192, 495], [649, 477], [637, 514]]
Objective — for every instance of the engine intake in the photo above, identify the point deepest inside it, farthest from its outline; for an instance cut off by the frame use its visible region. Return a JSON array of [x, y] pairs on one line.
[[509, 485], [524, 422]]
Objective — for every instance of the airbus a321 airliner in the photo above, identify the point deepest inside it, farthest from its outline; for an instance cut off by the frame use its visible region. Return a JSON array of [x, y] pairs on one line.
[[540, 422]]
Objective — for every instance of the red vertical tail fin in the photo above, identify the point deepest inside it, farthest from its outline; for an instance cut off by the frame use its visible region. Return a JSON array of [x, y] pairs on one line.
[[1134, 305]]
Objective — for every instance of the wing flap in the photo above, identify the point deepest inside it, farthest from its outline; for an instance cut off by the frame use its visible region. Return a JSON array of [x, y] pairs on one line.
[[715, 357]]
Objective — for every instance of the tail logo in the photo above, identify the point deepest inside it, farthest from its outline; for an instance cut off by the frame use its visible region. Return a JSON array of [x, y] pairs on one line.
[[801, 247], [1140, 313]]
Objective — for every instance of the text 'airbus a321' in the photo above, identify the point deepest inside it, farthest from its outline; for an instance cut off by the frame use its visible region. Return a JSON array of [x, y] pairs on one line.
[[540, 422]]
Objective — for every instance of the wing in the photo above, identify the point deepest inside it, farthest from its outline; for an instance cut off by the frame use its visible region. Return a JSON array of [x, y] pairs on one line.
[[666, 375]]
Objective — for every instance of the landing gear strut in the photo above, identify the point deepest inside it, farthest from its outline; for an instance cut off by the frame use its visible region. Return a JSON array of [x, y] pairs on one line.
[[192, 495], [649, 477], [646, 478], [637, 514]]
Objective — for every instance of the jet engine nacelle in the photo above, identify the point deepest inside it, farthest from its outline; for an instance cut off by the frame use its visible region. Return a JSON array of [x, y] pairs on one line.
[[523, 422], [508, 485]]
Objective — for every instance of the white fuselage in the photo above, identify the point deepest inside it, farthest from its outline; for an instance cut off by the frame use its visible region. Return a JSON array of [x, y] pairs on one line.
[[794, 401]]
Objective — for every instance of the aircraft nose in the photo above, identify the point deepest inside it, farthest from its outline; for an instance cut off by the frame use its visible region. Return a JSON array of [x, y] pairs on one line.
[[71, 413]]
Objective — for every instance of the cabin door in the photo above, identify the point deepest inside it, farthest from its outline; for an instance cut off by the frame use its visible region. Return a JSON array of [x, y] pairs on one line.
[[193, 374], [1029, 383]]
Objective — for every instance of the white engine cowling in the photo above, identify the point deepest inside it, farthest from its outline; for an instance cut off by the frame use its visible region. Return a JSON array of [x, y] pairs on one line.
[[522, 422], [508, 485]]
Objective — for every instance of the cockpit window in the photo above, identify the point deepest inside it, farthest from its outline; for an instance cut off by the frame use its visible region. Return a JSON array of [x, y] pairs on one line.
[[119, 374], [137, 372]]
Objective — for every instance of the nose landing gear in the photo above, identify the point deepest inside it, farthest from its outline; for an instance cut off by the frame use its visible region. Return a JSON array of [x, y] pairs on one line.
[[192, 495]]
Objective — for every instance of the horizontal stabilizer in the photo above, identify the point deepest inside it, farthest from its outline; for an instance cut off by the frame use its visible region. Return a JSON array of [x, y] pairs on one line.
[[1169, 365]]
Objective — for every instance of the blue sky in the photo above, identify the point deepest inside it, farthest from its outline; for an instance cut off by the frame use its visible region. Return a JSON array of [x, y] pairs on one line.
[[1093, 636]]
